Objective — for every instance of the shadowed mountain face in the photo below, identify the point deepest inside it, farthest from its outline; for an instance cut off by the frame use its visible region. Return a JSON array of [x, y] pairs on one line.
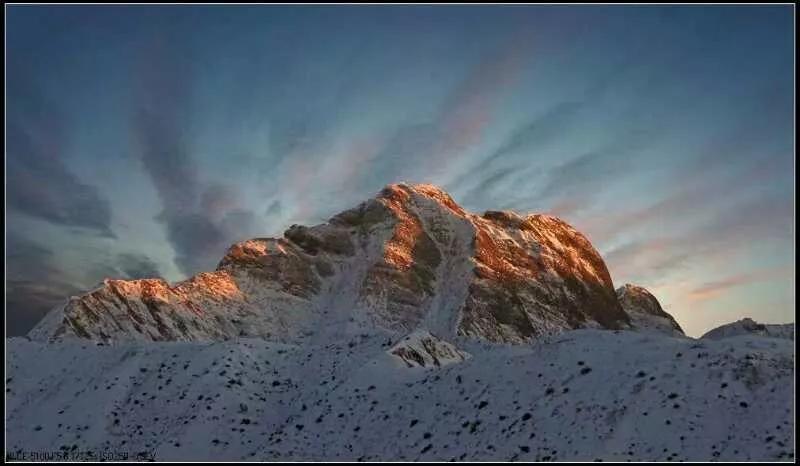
[[645, 311], [409, 258]]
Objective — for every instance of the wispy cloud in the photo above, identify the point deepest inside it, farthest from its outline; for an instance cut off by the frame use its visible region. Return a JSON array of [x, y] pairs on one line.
[[698, 195], [714, 289], [590, 170], [469, 109], [429, 151], [39, 184], [135, 265], [534, 135], [315, 168], [586, 174], [201, 218], [724, 235]]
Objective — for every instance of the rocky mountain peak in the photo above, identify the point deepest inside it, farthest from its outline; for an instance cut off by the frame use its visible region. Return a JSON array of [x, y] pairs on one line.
[[645, 310], [409, 258]]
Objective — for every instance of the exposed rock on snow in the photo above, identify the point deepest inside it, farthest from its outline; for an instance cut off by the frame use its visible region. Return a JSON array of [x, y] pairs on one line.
[[408, 258], [645, 311], [421, 349], [748, 326]]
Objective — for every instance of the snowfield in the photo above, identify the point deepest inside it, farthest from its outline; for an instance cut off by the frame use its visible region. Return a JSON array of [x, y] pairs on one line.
[[581, 395]]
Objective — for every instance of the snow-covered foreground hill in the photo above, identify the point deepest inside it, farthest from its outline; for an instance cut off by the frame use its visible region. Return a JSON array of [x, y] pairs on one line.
[[582, 395]]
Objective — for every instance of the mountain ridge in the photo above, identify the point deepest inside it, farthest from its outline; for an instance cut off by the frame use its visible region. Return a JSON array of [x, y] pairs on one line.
[[748, 326], [408, 258]]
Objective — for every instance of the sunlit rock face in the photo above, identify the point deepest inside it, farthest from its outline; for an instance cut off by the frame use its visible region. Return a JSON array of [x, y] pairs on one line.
[[150, 309], [408, 259], [535, 276], [645, 311]]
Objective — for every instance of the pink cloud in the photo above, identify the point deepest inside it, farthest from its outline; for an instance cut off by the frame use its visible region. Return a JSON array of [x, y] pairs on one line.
[[713, 289]]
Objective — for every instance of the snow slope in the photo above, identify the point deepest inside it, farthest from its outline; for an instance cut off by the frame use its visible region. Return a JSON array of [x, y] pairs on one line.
[[582, 395], [748, 326]]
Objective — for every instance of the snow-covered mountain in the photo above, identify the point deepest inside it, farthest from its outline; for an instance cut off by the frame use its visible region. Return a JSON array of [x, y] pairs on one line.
[[645, 311], [409, 258], [748, 326], [403, 329]]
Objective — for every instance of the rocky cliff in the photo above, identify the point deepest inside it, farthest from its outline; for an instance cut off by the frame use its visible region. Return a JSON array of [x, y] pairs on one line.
[[409, 258], [645, 311]]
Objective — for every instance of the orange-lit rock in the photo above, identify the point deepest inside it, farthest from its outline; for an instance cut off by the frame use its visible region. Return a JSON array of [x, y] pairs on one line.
[[408, 259]]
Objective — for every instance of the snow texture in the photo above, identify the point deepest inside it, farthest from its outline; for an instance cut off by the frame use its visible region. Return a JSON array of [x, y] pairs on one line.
[[583, 395], [748, 326]]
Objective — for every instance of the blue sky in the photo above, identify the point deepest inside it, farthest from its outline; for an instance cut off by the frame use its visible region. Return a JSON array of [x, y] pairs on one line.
[[144, 140]]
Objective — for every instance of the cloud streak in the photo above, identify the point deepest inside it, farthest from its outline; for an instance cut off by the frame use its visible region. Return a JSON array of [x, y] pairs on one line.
[[39, 184], [136, 266], [429, 151], [768, 221], [201, 219], [714, 289]]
